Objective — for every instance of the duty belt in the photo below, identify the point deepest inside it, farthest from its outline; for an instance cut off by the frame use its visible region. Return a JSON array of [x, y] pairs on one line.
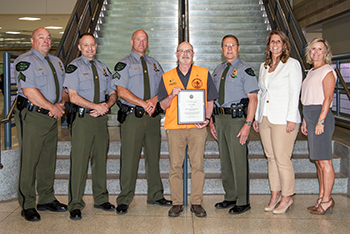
[[224, 111], [23, 102]]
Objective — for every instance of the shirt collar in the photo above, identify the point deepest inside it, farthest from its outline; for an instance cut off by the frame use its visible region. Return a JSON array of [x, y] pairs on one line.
[[37, 53], [137, 56]]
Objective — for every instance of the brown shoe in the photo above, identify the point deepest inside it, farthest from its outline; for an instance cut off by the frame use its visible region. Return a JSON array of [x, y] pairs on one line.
[[198, 210], [175, 211]]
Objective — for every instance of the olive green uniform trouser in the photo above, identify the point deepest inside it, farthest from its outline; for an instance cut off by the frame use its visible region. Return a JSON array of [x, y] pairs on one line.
[[135, 133], [234, 159], [89, 137], [37, 138]]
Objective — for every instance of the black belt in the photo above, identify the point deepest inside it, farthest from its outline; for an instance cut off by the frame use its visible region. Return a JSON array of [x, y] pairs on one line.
[[23, 102], [224, 111], [137, 110]]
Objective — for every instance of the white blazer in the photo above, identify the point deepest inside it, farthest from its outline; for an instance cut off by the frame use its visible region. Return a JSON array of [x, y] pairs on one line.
[[278, 97]]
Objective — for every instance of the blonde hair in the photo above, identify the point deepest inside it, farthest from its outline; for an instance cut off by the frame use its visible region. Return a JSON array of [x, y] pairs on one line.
[[285, 49], [327, 46]]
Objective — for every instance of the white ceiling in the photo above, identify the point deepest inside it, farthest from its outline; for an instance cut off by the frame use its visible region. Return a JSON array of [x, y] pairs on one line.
[[11, 23]]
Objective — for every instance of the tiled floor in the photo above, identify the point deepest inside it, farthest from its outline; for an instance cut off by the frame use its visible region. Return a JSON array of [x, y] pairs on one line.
[[144, 218]]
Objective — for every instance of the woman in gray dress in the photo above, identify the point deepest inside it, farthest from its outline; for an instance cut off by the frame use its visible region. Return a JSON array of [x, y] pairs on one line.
[[318, 123]]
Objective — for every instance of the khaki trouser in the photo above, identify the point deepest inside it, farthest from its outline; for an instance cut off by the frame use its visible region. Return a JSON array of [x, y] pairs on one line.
[[278, 146], [178, 140]]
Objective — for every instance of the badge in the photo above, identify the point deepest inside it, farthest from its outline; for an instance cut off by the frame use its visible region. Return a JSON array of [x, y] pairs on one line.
[[60, 66], [105, 73], [250, 72], [71, 68], [155, 67], [172, 82], [119, 66], [22, 66], [234, 74], [197, 83]]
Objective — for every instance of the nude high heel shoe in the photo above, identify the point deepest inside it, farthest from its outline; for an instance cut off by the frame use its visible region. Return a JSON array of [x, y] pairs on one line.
[[323, 211], [318, 202], [282, 211], [271, 208]]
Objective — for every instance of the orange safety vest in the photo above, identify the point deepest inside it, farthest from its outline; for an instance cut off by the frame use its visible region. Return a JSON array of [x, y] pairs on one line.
[[198, 80]]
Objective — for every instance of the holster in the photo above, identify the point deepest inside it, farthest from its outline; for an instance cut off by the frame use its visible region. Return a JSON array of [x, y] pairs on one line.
[[158, 110], [122, 112], [71, 112]]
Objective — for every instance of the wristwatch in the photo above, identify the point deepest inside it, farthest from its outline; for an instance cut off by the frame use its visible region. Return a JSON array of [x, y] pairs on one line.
[[249, 123], [320, 123]]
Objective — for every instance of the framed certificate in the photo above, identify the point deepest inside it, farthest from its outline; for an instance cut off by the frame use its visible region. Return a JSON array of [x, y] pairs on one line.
[[191, 106]]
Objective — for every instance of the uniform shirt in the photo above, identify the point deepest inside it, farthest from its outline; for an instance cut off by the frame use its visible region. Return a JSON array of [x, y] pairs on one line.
[[80, 78], [32, 70], [128, 73], [312, 87], [211, 90], [240, 80]]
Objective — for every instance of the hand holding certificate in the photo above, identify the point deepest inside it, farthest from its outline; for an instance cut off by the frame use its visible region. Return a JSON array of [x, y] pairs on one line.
[[191, 106]]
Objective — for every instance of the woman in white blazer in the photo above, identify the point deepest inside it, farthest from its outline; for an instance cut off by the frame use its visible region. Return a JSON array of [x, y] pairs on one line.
[[277, 117]]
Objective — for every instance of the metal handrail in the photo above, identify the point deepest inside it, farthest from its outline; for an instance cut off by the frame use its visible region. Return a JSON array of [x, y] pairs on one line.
[[83, 19], [5, 120]]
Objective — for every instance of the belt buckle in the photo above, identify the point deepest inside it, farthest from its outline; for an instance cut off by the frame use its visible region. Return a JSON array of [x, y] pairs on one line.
[[222, 110]]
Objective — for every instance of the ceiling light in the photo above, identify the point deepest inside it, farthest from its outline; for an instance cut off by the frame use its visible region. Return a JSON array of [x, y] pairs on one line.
[[61, 32], [53, 27], [29, 18], [13, 32]]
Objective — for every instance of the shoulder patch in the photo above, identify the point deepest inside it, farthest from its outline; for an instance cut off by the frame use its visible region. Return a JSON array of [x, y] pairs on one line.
[[119, 66], [71, 68], [116, 75], [250, 72], [22, 66], [21, 77]]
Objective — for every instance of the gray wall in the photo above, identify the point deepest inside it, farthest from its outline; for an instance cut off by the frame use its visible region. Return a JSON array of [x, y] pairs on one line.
[[338, 34]]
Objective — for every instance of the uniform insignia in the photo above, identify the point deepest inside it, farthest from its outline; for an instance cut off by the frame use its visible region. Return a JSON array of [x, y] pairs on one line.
[[61, 66], [71, 68], [172, 82], [155, 67], [21, 77], [40, 69], [22, 66], [104, 72], [135, 68], [234, 74], [197, 83], [119, 66], [85, 74], [250, 72], [116, 75]]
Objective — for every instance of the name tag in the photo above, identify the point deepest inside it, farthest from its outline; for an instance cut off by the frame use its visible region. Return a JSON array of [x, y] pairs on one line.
[[135, 68]]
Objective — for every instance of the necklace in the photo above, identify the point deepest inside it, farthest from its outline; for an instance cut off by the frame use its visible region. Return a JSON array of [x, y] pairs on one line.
[[273, 66]]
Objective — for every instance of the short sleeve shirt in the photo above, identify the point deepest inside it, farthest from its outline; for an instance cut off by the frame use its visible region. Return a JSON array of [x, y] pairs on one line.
[[128, 73], [32, 70], [240, 80], [80, 78]]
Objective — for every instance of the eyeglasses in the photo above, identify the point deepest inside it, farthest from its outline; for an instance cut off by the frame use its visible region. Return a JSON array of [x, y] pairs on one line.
[[230, 45], [185, 51]]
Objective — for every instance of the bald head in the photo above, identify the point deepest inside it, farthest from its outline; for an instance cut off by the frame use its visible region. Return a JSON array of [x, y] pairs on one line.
[[41, 41], [139, 42]]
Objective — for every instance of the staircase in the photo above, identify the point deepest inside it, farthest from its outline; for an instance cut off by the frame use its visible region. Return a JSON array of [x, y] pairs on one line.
[[305, 171], [210, 21], [123, 17]]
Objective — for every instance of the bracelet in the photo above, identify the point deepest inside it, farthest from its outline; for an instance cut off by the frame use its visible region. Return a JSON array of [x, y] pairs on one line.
[[320, 123], [207, 119]]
